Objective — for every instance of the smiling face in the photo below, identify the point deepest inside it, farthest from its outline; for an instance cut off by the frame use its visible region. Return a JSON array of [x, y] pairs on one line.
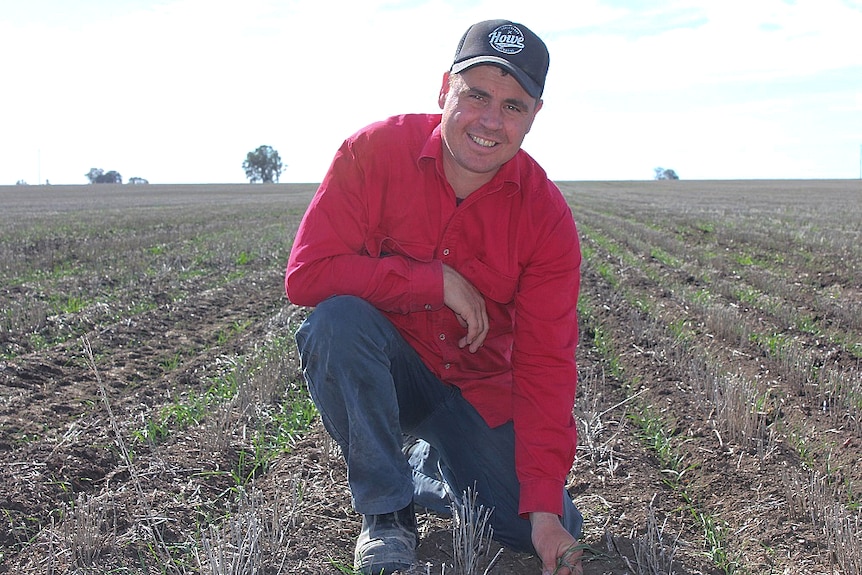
[[486, 114]]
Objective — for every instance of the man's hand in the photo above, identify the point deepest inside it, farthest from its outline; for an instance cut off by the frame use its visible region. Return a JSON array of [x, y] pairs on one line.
[[552, 542], [464, 299]]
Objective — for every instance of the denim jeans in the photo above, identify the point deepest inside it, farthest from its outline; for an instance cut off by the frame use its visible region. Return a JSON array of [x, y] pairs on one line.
[[404, 434]]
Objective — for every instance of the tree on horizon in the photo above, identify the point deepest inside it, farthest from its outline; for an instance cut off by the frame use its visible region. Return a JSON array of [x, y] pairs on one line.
[[99, 176], [263, 165], [663, 174]]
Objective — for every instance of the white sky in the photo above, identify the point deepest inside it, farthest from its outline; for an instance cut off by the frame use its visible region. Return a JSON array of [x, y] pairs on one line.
[[179, 91]]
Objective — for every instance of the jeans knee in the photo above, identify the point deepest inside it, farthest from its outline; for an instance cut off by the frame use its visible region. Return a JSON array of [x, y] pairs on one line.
[[341, 310], [334, 324], [338, 305]]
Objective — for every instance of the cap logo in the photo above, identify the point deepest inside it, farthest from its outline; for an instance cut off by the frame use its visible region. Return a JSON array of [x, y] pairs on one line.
[[506, 39]]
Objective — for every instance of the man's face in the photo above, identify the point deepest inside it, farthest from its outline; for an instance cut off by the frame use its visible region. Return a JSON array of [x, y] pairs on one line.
[[486, 114]]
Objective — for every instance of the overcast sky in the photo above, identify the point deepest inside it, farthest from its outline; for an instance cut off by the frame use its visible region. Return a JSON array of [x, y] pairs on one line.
[[179, 91]]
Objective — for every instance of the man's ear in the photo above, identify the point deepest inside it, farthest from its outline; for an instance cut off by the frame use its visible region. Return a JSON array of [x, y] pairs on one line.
[[536, 111], [444, 90]]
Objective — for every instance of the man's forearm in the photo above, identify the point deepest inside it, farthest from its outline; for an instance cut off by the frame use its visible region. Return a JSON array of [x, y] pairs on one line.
[[394, 283]]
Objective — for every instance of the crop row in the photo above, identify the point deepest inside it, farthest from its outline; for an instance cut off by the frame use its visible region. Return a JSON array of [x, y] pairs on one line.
[[62, 277], [769, 369]]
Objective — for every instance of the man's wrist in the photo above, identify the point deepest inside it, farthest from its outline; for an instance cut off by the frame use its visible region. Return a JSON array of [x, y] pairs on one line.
[[537, 517]]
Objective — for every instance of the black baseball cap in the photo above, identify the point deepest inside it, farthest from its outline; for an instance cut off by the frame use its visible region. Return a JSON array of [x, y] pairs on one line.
[[508, 45]]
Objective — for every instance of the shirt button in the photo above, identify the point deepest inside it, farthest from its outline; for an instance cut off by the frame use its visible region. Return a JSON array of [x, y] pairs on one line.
[[427, 307], [442, 336], [447, 366], [446, 252]]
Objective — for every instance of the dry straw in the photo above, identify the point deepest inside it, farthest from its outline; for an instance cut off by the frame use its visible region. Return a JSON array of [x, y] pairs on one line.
[[250, 541], [150, 521], [87, 531], [653, 551], [471, 535], [810, 495]]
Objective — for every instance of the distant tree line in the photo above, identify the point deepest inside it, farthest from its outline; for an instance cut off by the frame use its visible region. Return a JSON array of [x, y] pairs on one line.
[[100, 176]]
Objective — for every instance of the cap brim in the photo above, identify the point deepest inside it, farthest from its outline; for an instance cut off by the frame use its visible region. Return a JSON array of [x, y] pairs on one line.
[[529, 85]]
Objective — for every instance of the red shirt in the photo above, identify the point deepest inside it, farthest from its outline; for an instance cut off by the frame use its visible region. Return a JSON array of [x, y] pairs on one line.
[[381, 225]]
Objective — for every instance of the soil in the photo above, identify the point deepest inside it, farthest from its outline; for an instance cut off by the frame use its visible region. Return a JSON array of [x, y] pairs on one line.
[[59, 445], [66, 429]]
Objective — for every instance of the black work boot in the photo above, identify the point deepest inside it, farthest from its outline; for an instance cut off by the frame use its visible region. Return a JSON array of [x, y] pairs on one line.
[[387, 543]]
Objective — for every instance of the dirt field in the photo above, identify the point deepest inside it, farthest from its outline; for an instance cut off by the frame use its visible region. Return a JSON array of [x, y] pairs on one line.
[[153, 417]]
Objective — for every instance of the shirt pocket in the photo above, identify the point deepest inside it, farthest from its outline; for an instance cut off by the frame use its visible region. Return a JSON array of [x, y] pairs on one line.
[[381, 246], [494, 284]]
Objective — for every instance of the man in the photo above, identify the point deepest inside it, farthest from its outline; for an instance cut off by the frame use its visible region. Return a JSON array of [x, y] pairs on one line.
[[445, 270]]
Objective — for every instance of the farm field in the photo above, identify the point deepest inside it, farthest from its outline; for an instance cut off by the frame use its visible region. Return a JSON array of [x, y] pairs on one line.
[[153, 417]]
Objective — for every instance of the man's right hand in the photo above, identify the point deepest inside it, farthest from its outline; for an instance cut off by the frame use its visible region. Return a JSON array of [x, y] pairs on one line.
[[464, 299], [554, 546]]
